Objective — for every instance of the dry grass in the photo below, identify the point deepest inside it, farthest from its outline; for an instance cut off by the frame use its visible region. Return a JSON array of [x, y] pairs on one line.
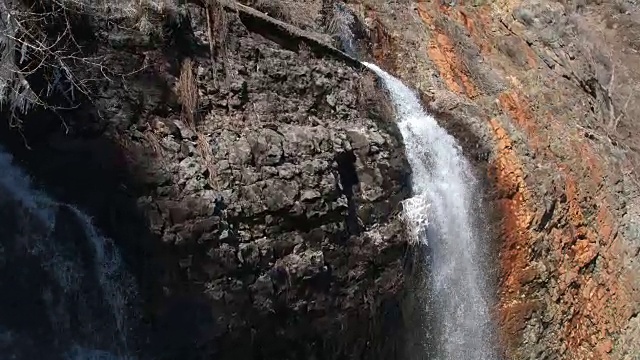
[[302, 14], [188, 93], [154, 143], [189, 98], [203, 146], [274, 8], [218, 32]]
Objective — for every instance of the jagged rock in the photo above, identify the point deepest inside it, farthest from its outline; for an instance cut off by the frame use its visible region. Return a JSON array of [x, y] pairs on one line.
[[259, 213], [244, 210]]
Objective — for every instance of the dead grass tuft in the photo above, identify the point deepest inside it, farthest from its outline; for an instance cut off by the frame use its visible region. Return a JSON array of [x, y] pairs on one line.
[[218, 33], [188, 93], [203, 146], [154, 143], [189, 98]]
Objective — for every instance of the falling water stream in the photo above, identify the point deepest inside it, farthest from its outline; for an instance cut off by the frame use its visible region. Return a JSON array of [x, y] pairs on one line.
[[441, 215], [64, 290]]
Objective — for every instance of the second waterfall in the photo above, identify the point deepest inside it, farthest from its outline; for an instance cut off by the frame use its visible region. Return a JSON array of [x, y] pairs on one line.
[[440, 212]]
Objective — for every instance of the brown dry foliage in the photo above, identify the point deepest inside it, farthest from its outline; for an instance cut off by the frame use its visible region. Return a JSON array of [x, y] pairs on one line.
[[40, 38], [189, 98], [203, 146], [188, 93], [218, 23]]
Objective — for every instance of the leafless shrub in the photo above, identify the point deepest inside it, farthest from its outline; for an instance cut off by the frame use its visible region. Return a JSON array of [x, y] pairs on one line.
[[38, 39], [25, 49], [218, 31]]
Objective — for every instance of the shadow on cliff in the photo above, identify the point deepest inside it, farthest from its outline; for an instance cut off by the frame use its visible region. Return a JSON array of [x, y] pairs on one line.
[[70, 156], [87, 169]]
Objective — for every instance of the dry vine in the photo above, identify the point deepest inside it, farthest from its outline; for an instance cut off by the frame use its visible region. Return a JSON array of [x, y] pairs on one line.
[[188, 92], [26, 49]]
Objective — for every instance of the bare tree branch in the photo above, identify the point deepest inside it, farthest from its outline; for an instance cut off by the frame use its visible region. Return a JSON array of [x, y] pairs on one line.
[[37, 38]]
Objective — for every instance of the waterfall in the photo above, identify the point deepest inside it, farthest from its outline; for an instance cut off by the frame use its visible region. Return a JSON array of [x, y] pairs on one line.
[[64, 290], [440, 215], [341, 26]]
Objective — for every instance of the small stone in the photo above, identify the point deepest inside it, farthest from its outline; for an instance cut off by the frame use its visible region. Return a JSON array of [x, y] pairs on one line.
[[189, 167], [359, 141], [309, 195], [331, 100], [266, 147]]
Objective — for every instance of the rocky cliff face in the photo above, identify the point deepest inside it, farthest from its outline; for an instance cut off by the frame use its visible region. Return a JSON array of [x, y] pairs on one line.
[[256, 193], [545, 89], [281, 203]]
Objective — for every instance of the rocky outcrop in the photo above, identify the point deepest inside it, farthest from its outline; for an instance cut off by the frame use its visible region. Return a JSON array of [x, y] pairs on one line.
[[261, 183], [282, 203], [267, 182]]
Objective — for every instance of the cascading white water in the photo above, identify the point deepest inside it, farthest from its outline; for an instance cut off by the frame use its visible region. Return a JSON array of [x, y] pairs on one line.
[[72, 272], [440, 213]]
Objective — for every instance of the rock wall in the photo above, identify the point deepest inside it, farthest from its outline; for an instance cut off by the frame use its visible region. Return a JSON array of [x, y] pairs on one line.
[[262, 189], [282, 203]]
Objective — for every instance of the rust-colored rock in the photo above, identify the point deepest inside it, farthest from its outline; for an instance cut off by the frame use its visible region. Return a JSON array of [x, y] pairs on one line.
[[547, 99], [442, 52]]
